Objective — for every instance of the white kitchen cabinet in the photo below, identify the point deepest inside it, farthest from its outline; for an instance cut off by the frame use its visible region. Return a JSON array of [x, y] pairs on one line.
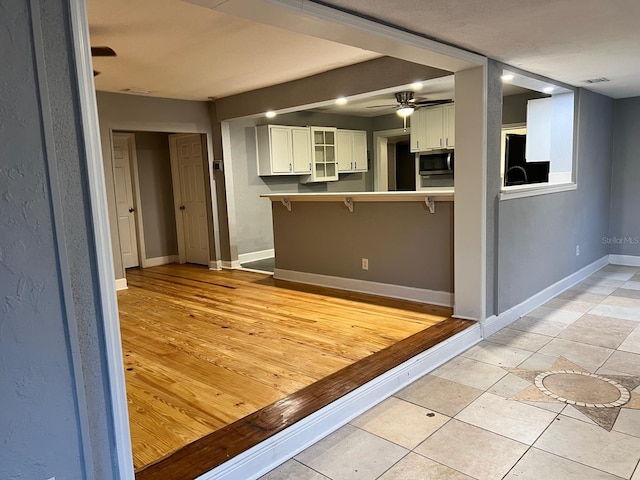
[[324, 161], [433, 128], [351, 151], [283, 150]]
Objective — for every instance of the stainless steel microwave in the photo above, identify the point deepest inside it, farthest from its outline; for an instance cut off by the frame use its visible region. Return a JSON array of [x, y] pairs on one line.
[[435, 163]]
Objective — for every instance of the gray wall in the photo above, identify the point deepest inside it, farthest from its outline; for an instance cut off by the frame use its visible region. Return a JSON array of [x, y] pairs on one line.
[[405, 244], [156, 194], [55, 416], [137, 113], [624, 234], [538, 235]]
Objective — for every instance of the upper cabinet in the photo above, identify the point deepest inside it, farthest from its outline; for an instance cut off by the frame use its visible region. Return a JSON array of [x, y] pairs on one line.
[[324, 159], [351, 151], [283, 150], [433, 128]]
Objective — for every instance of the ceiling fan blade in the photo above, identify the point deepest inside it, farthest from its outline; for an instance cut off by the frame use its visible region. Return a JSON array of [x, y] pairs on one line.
[[428, 103], [103, 52], [95, 73], [389, 105]]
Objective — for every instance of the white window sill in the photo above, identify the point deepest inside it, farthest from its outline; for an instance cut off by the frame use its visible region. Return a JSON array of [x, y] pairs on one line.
[[522, 191]]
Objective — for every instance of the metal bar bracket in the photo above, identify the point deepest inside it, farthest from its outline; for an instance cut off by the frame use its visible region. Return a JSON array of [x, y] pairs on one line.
[[431, 204], [348, 201], [287, 203]]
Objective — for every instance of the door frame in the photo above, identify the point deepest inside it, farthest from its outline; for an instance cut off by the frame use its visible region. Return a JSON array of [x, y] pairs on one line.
[[380, 158], [177, 192], [135, 186]]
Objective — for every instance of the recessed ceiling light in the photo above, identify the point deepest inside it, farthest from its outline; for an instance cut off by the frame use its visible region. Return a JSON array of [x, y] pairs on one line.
[[270, 114], [416, 86], [341, 101], [547, 89], [506, 77]]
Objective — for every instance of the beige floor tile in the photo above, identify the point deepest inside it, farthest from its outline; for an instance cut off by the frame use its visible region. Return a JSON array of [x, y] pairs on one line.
[[624, 362], [628, 422], [615, 301], [599, 331], [571, 305], [534, 462], [520, 339], [626, 313], [400, 422], [602, 282], [467, 449], [562, 316], [570, 411], [579, 353], [439, 394], [508, 386], [597, 289], [580, 296], [632, 342], [636, 475], [470, 372], [352, 454], [495, 354], [632, 285], [538, 361], [417, 467], [537, 325], [624, 275], [509, 418], [620, 268], [623, 292], [293, 469], [612, 452]]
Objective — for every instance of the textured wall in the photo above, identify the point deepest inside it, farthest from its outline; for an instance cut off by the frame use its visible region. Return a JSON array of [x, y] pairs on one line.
[[624, 235], [405, 244], [538, 235], [54, 414], [156, 194]]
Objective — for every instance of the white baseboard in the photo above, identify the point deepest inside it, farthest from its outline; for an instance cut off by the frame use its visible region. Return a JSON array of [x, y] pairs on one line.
[[230, 265], [364, 286], [264, 457], [626, 260], [121, 284], [255, 256], [157, 261], [494, 323], [215, 265]]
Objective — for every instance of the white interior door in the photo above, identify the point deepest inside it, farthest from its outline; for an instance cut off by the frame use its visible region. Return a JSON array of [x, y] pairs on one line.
[[192, 198], [125, 202]]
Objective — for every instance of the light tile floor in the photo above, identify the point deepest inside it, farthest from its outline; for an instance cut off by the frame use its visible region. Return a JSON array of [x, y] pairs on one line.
[[481, 416]]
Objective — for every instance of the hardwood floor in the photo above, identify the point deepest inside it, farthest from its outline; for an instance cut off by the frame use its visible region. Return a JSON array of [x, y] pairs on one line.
[[211, 355]]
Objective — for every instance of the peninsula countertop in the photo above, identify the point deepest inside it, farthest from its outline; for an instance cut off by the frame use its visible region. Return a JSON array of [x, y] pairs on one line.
[[437, 194]]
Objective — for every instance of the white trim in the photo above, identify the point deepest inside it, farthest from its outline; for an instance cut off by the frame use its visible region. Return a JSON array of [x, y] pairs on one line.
[[494, 323], [102, 241], [215, 265], [267, 455], [121, 284], [380, 158], [231, 265], [157, 261], [628, 260], [255, 256], [364, 286], [532, 190]]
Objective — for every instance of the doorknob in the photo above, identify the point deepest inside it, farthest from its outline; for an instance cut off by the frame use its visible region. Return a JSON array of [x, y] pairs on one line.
[[131, 210], [182, 207]]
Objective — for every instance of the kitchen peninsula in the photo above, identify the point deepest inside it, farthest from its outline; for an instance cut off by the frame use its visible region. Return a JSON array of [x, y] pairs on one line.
[[397, 244]]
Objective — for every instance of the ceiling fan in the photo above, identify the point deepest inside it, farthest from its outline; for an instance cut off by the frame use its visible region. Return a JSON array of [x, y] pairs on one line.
[[407, 103], [102, 52]]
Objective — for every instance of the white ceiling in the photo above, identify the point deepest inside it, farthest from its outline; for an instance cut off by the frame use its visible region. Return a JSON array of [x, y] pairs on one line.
[[180, 50], [567, 40]]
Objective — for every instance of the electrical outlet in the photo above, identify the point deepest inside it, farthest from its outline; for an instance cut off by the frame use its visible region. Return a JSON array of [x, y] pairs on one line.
[[365, 264], [577, 250]]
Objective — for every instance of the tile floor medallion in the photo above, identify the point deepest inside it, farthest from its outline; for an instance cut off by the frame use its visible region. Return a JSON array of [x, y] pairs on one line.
[[598, 397]]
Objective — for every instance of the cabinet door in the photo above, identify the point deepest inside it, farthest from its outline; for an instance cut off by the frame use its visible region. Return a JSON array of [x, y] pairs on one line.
[[301, 150], [344, 150], [360, 151], [281, 161], [418, 133], [434, 117], [450, 126]]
